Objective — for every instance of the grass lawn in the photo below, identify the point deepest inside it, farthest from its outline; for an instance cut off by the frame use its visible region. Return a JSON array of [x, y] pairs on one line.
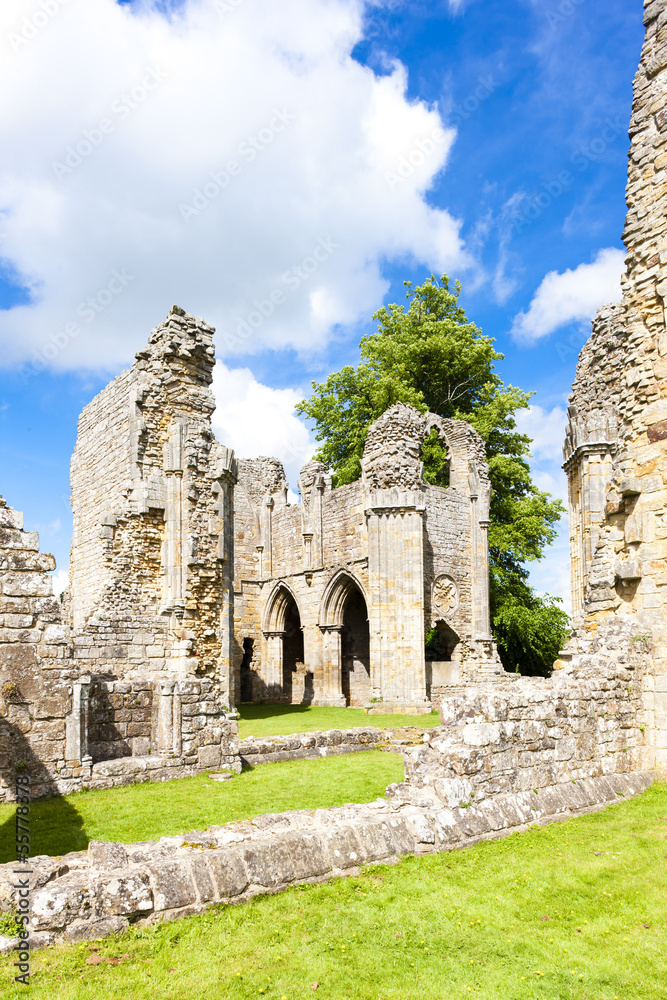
[[281, 720], [152, 810], [571, 910]]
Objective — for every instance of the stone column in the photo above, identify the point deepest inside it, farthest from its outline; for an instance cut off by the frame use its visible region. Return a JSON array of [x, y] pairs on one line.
[[318, 523], [226, 480], [272, 663], [328, 680], [589, 470], [173, 565], [168, 718], [76, 723], [396, 592], [267, 537], [479, 533]]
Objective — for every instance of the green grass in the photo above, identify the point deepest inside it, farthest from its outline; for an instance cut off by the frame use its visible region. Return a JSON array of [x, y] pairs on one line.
[[463, 924], [281, 720], [150, 811]]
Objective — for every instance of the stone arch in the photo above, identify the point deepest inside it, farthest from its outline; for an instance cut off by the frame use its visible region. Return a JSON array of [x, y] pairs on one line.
[[275, 612], [334, 599]]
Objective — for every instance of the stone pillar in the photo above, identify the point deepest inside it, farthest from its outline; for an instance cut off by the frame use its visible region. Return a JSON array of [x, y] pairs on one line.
[[169, 739], [479, 512], [589, 469], [328, 680], [396, 593], [76, 723], [172, 563], [226, 481], [267, 537], [272, 663], [308, 550], [318, 523]]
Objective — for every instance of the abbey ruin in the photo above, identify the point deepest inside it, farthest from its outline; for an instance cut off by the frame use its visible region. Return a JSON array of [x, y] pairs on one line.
[[196, 585]]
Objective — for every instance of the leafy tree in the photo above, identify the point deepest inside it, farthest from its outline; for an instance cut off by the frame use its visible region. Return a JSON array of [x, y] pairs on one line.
[[432, 357]]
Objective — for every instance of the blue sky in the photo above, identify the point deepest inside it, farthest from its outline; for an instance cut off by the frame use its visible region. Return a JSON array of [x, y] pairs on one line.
[[198, 152]]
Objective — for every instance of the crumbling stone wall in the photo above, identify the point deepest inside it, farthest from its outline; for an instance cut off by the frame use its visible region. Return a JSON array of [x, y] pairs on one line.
[[88, 895], [617, 435], [533, 733], [40, 732], [152, 549], [412, 555]]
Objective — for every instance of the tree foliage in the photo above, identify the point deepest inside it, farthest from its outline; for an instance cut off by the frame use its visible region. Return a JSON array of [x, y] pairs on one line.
[[432, 357]]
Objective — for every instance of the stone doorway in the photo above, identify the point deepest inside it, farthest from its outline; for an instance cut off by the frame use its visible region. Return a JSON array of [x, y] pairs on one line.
[[355, 651], [292, 648], [246, 670]]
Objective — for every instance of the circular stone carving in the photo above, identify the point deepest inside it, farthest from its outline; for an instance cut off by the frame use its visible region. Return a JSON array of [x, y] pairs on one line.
[[445, 596]]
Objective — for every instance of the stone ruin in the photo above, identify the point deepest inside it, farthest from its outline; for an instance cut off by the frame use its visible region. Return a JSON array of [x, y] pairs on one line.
[[194, 583]]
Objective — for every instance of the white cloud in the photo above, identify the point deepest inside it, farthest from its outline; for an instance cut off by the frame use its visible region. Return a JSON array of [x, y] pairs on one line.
[[546, 428], [254, 420], [574, 296], [310, 135], [60, 582]]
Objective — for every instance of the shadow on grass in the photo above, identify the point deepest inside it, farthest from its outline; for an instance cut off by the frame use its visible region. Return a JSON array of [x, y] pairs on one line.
[[55, 826], [55, 829]]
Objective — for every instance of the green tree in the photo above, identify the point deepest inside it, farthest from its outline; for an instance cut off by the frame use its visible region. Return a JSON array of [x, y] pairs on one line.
[[432, 357]]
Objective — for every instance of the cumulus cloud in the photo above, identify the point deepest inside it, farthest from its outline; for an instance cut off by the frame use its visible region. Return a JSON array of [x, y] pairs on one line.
[[254, 420], [60, 582], [574, 296], [205, 158], [547, 430]]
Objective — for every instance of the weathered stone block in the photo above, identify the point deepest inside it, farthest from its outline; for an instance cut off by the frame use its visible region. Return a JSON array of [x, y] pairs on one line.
[[125, 895], [173, 885], [268, 864]]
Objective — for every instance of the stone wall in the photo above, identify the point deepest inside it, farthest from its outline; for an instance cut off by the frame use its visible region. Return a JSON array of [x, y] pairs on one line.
[[152, 549], [532, 733], [308, 746], [616, 444], [90, 894], [40, 685]]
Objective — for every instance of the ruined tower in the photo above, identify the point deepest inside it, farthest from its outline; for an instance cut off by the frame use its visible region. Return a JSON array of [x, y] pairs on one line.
[[616, 446], [152, 549]]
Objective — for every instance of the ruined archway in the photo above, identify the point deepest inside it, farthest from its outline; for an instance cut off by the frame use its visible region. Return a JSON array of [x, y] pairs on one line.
[[355, 650], [285, 671]]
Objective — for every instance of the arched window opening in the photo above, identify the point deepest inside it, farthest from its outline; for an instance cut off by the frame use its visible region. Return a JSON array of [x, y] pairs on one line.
[[441, 641], [435, 457]]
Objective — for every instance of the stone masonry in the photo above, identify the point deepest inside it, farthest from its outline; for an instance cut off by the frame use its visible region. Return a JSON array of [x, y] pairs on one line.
[[41, 687], [616, 445], [527, 752], [333, 595]]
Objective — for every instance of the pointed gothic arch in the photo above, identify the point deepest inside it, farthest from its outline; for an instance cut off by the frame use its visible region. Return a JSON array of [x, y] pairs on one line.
[[332, 607], [277, 607]]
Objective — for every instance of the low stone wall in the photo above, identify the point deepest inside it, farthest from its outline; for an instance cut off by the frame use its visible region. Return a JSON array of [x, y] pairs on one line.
[[302, 746], [100, 891], [583, 722]]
